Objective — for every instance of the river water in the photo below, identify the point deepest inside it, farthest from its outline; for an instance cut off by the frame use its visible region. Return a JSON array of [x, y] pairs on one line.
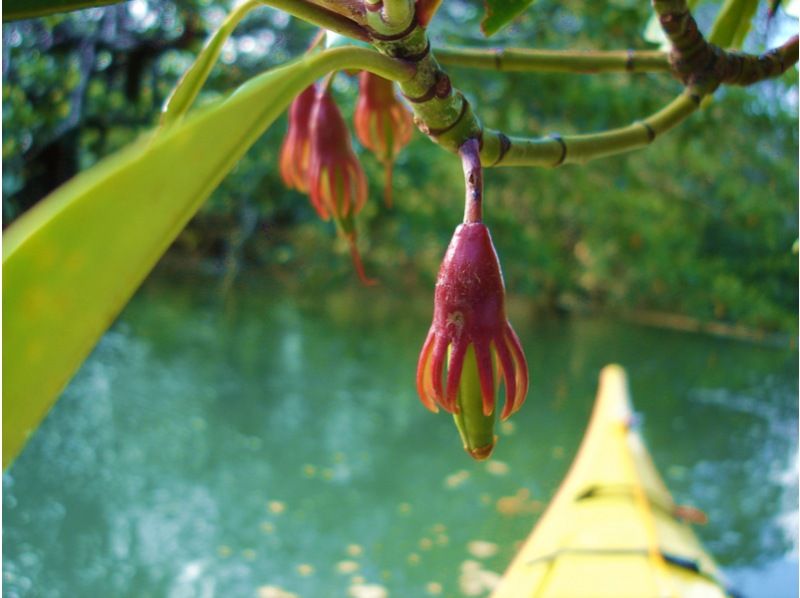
[[269, 443]]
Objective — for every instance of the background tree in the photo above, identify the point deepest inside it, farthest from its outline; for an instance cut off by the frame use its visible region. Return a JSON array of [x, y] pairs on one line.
[[689, 226]]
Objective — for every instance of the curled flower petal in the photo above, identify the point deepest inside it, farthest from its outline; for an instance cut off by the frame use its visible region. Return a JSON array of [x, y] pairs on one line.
[[508, 371], [437, 367], [295, 151], [422, 365], [454, 368], [520, 366]]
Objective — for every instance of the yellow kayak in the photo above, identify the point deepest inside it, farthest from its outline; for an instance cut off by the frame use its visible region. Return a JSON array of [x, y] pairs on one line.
[[612, 529]]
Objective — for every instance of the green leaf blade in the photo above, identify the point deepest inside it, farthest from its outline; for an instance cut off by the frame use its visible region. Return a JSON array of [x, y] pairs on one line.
[[733, 23], [500, 13], [185, 92], [27, 9], [73, 261]]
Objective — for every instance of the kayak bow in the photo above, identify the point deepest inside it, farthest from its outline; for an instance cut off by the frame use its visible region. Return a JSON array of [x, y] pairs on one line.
[[613, 530]]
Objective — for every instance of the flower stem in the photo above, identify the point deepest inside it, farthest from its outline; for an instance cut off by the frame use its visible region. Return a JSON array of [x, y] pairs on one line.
[[555, 61], [321, 16], [388, 168], [358, 264], [473, 178]]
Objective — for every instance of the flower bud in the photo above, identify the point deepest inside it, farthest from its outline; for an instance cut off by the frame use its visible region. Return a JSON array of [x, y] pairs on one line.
[[337, 184], [469, 323], [383, 125], [295, 149]]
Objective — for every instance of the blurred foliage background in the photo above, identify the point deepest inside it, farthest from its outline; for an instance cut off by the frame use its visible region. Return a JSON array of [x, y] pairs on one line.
[[701, 224]]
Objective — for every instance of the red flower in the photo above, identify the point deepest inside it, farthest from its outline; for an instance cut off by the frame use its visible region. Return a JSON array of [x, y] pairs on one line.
[[337, 185], [295, 148], [469, 309], [382, 123]]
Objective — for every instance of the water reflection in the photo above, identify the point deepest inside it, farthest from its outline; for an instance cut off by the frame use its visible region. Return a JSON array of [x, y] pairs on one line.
[[270, 445]]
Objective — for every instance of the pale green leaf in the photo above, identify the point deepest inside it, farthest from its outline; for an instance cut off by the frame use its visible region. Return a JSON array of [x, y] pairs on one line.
[[733, 23], [72, 262], [185, 92]]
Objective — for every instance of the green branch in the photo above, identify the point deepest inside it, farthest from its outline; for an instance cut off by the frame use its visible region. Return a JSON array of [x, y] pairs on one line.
[[500, 150], [389, 18], [444, 114], [703, 66], [321, 16], [555, 61]]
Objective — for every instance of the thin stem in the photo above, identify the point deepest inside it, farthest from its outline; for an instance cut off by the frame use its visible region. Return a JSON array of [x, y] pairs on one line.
[[388, 168], [555, 61], [317, 42], [352, 57], [321, 16], [352, 9], [473, 180], [326, 83]]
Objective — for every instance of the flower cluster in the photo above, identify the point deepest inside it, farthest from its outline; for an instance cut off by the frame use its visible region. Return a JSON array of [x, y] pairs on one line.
[[317, 155]]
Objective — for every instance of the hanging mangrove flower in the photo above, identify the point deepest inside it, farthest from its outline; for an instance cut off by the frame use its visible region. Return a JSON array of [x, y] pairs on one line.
[[382, 123], [337, 185], [425, 11], [470, 331], [295, 149], [469, 312]]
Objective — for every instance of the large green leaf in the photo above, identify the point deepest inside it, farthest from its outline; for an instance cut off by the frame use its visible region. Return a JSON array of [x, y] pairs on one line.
[[27, 9], [185, 92], [733, 23], [72, 262], [500, 13], [729, 30]]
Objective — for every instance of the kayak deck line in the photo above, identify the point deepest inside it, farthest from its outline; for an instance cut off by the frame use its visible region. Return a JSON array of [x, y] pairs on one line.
[[613, 530], [671, 559], [684, 512]]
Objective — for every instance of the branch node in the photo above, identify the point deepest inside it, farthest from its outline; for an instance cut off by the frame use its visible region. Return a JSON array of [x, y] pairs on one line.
[[442, 130], [651, 133], [505, 145], [562, 143]]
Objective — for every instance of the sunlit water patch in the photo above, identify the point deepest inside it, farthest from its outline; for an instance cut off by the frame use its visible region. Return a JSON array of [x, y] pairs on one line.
[[270, 445]]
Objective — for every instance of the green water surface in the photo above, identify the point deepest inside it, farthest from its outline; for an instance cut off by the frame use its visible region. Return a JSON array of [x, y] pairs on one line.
[[270, 441]]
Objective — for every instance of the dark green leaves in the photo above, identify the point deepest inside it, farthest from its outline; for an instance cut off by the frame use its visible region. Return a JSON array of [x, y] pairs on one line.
[[27, 9]]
